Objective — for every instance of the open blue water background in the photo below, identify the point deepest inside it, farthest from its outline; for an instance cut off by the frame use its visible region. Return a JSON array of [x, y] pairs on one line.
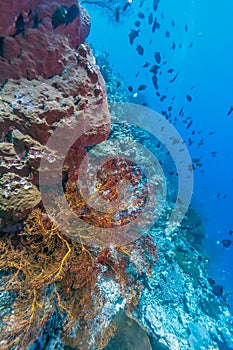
[[206, 73]]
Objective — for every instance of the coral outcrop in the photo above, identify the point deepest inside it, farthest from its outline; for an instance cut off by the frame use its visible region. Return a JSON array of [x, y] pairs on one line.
[[17, 198], [32, 108]]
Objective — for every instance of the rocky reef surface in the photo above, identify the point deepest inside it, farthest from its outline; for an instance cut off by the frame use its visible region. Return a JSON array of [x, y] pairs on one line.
[[178, 305]]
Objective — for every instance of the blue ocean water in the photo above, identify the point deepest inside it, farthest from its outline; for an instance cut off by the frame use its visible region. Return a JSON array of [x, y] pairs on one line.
[[194, 40]]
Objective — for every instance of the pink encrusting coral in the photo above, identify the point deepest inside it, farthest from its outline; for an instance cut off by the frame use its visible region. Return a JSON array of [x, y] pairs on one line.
[[39, 37]]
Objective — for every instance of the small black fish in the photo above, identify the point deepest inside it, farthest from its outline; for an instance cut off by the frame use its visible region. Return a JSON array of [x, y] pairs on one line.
[[189, 124], [155, 82], [167, 34], [155, 26], [141, 3], [118, 84], [218, 195], [141, 15], [170, 70], [146, 65], [142, 87], [117, 13], [186, 27], [157, 57], [158, 93], [226, 243], [224, 197], [201, 143], [190, 142], [191, 44], [230, 111], [196, 160], [137, 74], [230, 232], [172, 80], [130, 88], [140, 50], [180, 46], [169, 108], [150, 18], [137, 23], [211, 133], [72, 13], [173, 23], [214, 153], [154, 69], [189, 98], [211, 281], [133, 35], [59, 16], [155, 5], [173, 46], [128, 4], [150, 42], [163, 98], [217, 290]]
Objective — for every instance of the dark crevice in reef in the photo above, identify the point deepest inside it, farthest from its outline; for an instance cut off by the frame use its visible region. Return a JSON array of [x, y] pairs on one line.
[[1, 47], [19, 25], [36, 21]]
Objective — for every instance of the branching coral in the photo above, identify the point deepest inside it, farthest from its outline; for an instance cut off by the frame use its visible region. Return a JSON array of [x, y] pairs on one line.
[[46, 271], [49, 272]]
